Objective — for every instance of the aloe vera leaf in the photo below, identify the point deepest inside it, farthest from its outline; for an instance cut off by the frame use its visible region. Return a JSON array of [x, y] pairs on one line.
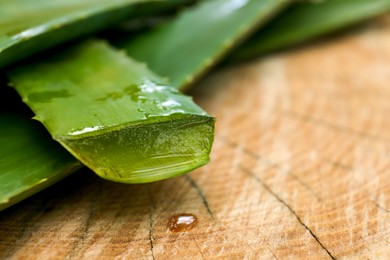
[[308, 20], [114, 115], [27, 27], [186, 47], [30, 160]]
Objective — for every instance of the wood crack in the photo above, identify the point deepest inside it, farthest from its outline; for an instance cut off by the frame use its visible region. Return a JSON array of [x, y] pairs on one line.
[[201, 194], [150, 232], [380, 207], [87, 223], [151, 235], [272, 252], [270, 191], [339, 165], [197, 246]]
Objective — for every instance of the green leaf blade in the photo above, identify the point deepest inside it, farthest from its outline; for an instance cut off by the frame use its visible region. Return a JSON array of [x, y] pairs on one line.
[[197, 39], [28, 27], [309, 20]]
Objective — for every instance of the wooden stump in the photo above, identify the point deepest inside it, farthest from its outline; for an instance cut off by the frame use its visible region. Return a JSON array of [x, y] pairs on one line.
[[300, 168]]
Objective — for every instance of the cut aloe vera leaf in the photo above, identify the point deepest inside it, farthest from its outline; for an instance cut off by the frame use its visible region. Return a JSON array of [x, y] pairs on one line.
[[27, 27], [29, 159], [114, 115], [308, 20], [189, 45]]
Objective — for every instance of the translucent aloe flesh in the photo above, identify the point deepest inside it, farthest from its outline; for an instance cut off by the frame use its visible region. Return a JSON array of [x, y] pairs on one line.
[[186, 47], [27, 26], [115, 115], [30, 160], [308, 20]]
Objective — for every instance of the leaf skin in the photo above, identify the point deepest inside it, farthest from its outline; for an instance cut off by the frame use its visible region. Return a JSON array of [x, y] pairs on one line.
[[28, 27], [189, 45], [114, 115], [306, 21], [29, 159]]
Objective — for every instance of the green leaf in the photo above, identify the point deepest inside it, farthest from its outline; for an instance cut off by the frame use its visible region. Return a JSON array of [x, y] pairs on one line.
[[189, 45], [27, 27], [114, 115], [30, 160], [308, 20]]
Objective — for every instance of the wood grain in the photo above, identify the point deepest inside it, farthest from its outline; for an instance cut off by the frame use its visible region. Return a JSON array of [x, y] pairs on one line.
[[300, 169]]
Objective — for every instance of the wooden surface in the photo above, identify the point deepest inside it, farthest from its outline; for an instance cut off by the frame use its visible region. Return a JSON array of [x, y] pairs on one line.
[[300, 168]]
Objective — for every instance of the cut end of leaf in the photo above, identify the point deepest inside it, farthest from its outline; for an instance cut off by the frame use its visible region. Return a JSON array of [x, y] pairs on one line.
[[147, 152]]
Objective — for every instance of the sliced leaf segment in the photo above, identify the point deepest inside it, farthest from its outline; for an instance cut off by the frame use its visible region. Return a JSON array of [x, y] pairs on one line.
[[27, 27], [308, 20], [115, 115], [189, 45], [30, 161]]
